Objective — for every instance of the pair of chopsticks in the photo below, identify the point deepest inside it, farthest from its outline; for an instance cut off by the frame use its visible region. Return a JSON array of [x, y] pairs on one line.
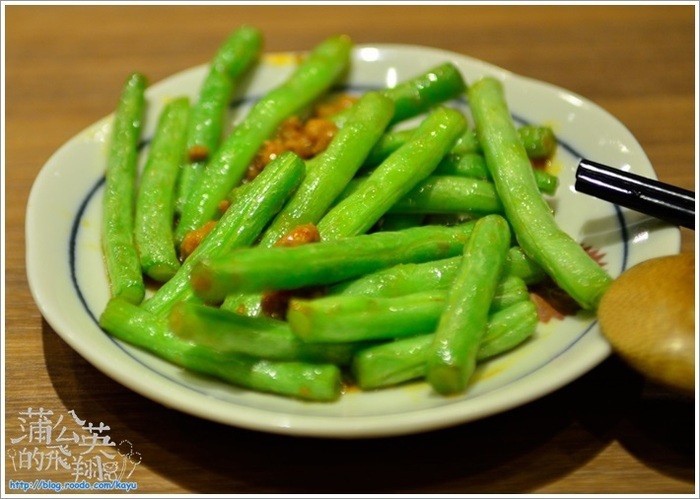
[[651, 197]]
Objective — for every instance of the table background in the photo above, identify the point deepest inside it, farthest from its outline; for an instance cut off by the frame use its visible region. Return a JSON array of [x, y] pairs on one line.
[[607, 432]]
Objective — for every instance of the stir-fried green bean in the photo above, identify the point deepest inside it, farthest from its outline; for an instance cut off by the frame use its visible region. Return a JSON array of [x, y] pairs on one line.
[[395, 177], [450, 194], [530, 216], [417, 95], [452, 357], [118, 245], [405, 359], [350, 318], [387, 144], [261, 337], [399, 221], [310, 381], [232, 60], [409, 278], [415, 275], [155, 201], [473, 165], [539, 142], [333, 169], [326, 176], [326, 262], [319, 70], [453, 189], [239, 226]]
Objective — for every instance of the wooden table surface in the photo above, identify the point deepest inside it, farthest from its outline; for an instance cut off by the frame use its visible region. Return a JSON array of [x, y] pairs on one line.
[[607, 432]]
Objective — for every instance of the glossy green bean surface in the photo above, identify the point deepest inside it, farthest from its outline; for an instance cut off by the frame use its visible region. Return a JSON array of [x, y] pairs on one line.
[[155, 201], [118, 244], [452, 356], [309, 381], [313, 77], [531, 217], [395, 177], [348, 318], [327, 262], [239, 226], [335, 167], [403, 360], [234, 58]]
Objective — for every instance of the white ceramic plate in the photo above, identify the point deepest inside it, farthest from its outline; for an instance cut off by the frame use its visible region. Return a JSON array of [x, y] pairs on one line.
[[63, 227]]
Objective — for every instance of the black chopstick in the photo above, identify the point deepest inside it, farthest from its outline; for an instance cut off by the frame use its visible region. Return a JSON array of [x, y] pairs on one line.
[[651, 197]]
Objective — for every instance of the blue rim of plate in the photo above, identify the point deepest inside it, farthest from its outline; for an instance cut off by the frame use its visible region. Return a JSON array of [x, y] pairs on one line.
[[75, 229]]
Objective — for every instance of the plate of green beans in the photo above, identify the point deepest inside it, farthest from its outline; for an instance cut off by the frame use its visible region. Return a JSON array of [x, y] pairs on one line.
[[391, 281]]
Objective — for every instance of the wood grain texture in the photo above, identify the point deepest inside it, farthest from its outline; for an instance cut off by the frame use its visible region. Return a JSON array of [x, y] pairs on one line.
[[607, 432]]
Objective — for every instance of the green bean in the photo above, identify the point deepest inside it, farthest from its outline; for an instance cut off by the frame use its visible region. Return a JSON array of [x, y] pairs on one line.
[[334, 168], [155, 198], [404, 360], [248, 304], [508, 328], [326, 262], [226, 168], [387, 144], [240, 225], [352, 318], [539, 142], [395, 177], [326, 176], [392, 140], [261, 337], [399, 221], [237, 193], [530, 216], [510, 289], [392, 363], [119, 247], [467, 143], [473, 165], [452, 357], [402, 279], [190, 172], [208, 114], [420, 93], [205, 131], [457, 185], [239, 51], [356, 318], [232, 60], [309, 381], [408, 278], [521, 265], [450, 194], [302, 380], [546, 182]]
